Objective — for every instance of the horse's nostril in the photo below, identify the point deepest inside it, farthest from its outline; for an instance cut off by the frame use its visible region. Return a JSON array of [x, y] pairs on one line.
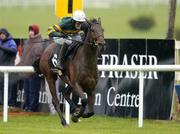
[[103, 43]]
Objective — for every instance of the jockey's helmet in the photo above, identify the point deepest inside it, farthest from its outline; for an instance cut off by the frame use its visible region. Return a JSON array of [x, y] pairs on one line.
[[79, 16]]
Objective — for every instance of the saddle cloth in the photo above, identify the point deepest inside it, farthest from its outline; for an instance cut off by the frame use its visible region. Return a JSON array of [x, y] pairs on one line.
[[70, 53]]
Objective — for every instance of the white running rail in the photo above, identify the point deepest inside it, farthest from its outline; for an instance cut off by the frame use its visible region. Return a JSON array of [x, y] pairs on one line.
[[7, 70], [140, 68], [18, 69]]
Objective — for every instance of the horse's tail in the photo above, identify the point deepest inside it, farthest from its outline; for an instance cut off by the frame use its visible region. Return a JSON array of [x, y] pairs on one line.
[[36, 66]]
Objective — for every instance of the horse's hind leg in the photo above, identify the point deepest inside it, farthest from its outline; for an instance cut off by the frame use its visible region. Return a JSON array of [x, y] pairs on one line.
[[66, 94], [55, 101]]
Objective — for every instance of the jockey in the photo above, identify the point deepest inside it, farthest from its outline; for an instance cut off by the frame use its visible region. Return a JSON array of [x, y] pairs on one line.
[[67, 29]]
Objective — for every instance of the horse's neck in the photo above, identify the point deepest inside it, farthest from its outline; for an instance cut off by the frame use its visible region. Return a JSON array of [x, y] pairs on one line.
[[89, 52]]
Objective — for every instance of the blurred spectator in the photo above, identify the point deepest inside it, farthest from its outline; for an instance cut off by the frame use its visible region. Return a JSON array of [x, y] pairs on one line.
[[8, 50], [18, 55], [18, 82], [32, 51]]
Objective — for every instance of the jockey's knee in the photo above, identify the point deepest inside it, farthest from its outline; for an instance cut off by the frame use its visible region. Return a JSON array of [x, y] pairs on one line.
[[58, 40], [77, 37]]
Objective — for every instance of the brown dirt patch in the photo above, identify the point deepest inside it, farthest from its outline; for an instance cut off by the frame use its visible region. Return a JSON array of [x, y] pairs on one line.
[[23, 113]]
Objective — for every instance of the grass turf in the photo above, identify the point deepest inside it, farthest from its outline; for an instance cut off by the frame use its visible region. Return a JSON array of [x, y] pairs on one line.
[[49, 124], [115, 20]]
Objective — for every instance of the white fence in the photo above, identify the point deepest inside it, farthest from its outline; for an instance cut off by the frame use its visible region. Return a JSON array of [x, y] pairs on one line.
[[140, 68], [17, 69], [7, 70]]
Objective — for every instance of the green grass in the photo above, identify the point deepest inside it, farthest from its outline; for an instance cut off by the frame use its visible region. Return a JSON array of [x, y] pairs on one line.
[[115, 20], [48, 124]]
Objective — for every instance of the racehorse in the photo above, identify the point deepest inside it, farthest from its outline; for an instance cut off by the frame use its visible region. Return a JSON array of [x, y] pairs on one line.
[[81, 73]]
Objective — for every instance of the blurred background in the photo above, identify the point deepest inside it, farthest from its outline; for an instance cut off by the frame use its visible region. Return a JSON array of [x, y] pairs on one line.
[[120, 18]]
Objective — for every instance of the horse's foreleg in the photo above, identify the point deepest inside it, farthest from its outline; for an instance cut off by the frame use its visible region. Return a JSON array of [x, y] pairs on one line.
[[55, 100], [90, 111]]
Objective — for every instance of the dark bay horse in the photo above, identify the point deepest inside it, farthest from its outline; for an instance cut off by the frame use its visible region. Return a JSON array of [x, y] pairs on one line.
[[81, 73]]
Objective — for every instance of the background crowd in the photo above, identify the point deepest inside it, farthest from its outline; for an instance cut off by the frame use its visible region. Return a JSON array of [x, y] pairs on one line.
[[14, 53]]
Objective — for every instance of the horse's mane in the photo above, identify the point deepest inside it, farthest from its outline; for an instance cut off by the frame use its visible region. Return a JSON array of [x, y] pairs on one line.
[[93, 20]]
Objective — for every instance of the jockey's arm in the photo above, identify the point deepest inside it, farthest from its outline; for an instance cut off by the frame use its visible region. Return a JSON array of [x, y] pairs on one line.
[[54, 34], [84, 27], [55, 31]]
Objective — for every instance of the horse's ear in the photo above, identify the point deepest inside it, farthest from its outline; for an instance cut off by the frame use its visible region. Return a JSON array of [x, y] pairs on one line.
[[99, 20]]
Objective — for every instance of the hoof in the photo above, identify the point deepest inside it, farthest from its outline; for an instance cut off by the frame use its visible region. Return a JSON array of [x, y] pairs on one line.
[[64, 123], [87, 115], [75, 119], [66, 126]]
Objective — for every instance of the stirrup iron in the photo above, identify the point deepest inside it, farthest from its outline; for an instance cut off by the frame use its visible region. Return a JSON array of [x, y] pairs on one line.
[[57, 71]]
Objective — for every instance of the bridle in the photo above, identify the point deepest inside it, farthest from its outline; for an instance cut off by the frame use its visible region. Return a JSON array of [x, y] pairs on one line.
[[96, 35]]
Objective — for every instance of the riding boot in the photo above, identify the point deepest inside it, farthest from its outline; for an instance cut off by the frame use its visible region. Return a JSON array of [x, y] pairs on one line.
[[61, 58]]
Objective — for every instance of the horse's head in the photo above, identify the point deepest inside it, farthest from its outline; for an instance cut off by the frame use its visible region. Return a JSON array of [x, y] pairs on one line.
[[96, 32]]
